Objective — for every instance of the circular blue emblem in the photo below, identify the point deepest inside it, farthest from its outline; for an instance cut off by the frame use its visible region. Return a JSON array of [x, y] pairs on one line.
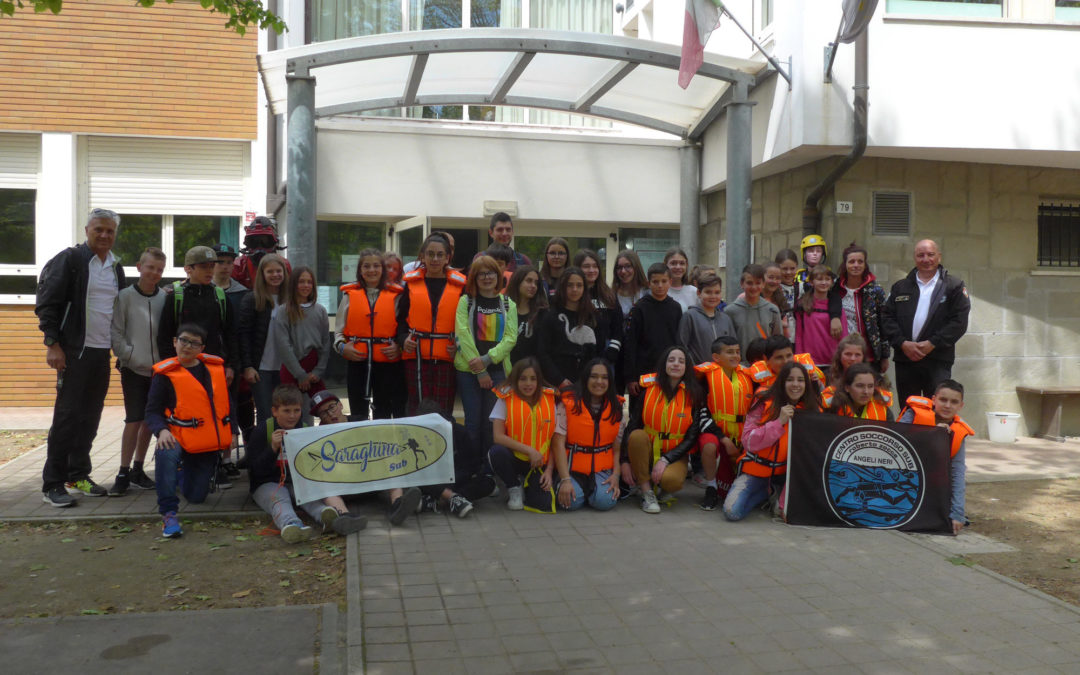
[[873, 478]]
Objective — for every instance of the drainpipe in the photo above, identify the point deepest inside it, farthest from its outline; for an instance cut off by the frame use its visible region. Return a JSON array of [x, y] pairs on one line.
[[812, 208]]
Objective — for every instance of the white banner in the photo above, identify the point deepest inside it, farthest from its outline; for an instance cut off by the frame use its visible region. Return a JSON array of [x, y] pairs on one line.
[[355, 457]]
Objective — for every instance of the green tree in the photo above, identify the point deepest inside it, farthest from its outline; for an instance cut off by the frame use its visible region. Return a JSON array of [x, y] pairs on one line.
[[241, 14]]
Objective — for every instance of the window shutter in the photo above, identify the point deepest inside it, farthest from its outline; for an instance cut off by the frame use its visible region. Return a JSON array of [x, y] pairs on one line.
[[20, 160], [892, 213]]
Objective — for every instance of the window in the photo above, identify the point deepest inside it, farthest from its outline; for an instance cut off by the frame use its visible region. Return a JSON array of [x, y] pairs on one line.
[[17, 217], [336, 19], [964, 8], [765, 10], [650, 244], [172, 234], [892, 214], [339, 244], [1059, 235], [1067, 10]]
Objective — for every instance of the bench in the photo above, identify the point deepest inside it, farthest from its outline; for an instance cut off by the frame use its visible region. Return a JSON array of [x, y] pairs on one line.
[[1053, 398]]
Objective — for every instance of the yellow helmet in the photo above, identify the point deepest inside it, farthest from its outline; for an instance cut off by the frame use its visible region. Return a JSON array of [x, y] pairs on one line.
[[813, 240]]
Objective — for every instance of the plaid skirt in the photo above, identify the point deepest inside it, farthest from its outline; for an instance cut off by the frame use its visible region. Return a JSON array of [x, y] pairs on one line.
[[438, 381]]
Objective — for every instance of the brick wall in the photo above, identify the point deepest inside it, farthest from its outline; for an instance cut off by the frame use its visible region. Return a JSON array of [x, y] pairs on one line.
[[110, 66]]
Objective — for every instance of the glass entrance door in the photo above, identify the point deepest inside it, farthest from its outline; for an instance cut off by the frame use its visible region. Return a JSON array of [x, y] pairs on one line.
[[407, 236]]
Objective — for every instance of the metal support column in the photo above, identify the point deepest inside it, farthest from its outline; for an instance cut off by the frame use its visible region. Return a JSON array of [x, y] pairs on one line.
[[690, 200], [739, 162], [300, 194]]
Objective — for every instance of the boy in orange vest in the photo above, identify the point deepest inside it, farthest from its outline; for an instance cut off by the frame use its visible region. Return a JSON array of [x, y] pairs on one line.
[[778, 351], [187, 409], [730, 392], [944, 411]]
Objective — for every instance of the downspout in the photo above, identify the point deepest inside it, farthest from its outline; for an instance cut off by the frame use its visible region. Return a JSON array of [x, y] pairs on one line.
[[812, 208]]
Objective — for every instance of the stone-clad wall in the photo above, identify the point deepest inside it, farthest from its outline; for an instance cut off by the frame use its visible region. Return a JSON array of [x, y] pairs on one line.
[[1025, 322]]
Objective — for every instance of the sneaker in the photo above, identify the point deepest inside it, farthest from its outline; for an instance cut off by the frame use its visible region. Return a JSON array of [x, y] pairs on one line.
[[88, 488], [120, 486], [710, 500], [667, 499], [294, 534], [230, 470], [59, 498], [170, 526], [427, 503], [404, 505], [698, 480], [327, 517], [517, 498], [347, 523], [140, 480], [649, 503], [495, 491], [459, 506], [222, 480]]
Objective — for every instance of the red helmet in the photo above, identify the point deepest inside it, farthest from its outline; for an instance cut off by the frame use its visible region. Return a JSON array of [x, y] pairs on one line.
[[261, 234]]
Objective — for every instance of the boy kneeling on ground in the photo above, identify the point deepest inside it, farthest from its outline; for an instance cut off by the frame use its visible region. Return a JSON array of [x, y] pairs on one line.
[[271, 481], [187, 409], [943, 411]]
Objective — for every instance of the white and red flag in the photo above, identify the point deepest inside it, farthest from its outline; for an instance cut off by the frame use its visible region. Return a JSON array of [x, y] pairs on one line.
[[702, 18]]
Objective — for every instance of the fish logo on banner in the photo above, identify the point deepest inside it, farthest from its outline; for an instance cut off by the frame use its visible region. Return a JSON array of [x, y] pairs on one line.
[[873, 478], [851, 472]]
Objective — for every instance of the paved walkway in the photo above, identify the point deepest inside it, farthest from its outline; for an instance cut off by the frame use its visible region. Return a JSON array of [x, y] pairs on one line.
[[684, 591]]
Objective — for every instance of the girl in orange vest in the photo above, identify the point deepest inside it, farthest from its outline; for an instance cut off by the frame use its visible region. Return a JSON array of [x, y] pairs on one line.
[[588, 440], [765, 440], [851, 350], [523, 423], [364, 334], [859, 397], [667, 427], [426, 325]]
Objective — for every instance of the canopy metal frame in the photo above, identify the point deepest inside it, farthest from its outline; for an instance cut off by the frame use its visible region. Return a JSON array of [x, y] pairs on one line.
[[626, 55]]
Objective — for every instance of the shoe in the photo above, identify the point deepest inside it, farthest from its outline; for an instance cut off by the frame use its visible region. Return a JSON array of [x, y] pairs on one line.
[[140, 480], [459, 506], [294, 534], [698, 480], [710, 500], [347, 523], [230, 470], [120, 486], [222, 480], [495, 491], [649, 503], [427, 503], [327, 517], [59, 498], [170, 526], [666, 498], [517, 498], [88, 488], [404, 505]]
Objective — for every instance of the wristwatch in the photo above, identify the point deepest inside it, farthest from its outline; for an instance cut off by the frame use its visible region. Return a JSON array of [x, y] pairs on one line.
[[49, 342]]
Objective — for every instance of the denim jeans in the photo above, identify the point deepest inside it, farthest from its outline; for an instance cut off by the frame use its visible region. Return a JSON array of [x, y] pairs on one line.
[[600, 499], [199, 469], [477, 404], [747, 493], [277, 500], [263, 391]]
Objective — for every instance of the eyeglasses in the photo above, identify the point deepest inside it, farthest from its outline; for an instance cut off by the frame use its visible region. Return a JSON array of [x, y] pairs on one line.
[[332, 408], [624, 267], [189, 343], [487, 275], [557, 254]]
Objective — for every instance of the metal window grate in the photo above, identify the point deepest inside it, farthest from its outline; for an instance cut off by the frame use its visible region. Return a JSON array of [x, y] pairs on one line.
[[1059, 235], [892, 214]]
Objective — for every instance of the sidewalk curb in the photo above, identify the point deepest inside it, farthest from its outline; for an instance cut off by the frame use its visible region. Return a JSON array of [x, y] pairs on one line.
[[1000, 577], [28, 453], [354, 630], [201, 515]]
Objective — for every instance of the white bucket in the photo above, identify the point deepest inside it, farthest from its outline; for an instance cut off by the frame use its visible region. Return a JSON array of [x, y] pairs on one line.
[[1002, 426]]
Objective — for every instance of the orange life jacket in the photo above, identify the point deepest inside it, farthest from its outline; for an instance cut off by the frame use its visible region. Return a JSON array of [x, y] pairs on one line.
[[666, 421], [770, 461], [200, 423], [368, 327], [434, 334], [924, 415], [830, 391], [531, 425], [763, 377], [874, 410], [590, 442], [729, 398]]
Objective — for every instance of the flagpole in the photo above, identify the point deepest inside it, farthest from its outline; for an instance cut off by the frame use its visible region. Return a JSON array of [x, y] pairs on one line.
[[773, 62]]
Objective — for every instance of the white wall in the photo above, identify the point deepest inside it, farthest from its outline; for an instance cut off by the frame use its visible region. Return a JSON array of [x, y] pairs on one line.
[[395, 171]]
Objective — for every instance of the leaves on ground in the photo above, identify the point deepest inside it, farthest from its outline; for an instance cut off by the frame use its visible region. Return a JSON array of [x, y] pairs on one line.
[[242, 594], [961, 560]]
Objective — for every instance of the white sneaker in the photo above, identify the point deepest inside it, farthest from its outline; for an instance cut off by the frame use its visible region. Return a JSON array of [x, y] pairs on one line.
[[649, 503], [294, 534], [517, 498]]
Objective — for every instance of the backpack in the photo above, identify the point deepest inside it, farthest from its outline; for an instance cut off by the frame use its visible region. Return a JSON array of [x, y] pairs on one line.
[[178, 300]]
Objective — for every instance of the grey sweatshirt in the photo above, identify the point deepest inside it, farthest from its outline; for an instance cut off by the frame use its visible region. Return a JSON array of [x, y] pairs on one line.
[[134, 329], [761, 320], [294, 341], [697, 332]]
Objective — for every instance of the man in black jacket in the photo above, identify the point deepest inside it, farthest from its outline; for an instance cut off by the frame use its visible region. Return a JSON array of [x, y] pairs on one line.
[[924, 317], [75, 297]]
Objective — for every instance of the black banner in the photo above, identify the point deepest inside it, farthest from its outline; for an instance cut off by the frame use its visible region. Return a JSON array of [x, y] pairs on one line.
[[847, 472]]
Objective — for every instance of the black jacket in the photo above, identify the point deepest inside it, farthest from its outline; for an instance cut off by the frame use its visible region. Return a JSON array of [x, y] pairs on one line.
[[201, 307], [946, 322], [253, 331], [653, 327], [61, 295], [262, 461], [563, 347]]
